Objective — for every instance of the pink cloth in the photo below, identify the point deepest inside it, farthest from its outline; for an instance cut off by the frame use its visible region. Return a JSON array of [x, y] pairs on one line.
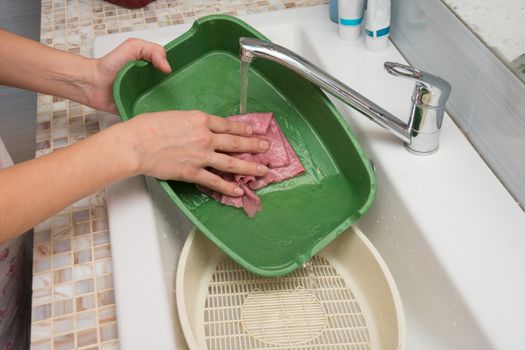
[[280, 158]]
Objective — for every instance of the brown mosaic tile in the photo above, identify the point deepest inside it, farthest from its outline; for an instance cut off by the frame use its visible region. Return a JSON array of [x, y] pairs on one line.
[[64, 275], [100, 238], [99, 212], [42, 136], [41, 312], [80, 243], [63, 324], [81, 215], [84, 287], [63, 307], [106, 298], [41, 344], [42, 280], [64, 342], [42, 296], [82, 256], [42, 236], [61, 246], [108, 332], [61, 232], [87, 337], [86, 319], [107, 315], [83, 271], [85, 302], [42, 264], [43, 126], [100, 225], [102, 252], [61, 260], [103, 267], [42, 249], [43, 145], [62, 291], [81, 228], [105, 282], [41, 330], [61, 220]]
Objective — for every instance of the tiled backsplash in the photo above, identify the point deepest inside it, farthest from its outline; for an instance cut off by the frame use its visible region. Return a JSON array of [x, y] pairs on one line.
[[499, 24], [487, 99]]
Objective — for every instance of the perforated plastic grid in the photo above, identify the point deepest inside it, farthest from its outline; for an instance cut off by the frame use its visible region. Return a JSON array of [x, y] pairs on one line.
[[311, 308]]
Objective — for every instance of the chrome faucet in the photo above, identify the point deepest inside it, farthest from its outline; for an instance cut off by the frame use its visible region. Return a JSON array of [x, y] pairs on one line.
[[421, 133]]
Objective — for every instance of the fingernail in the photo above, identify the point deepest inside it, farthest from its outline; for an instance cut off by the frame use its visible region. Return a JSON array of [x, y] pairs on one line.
[[261, 168], [238, 191], [263, 144], [249, 130]]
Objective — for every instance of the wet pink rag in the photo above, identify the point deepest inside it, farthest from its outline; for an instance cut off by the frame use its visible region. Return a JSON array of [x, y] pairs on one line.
[[280, 158]]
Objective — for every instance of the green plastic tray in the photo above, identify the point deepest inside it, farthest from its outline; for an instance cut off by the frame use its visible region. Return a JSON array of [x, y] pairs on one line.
[[299, 216]]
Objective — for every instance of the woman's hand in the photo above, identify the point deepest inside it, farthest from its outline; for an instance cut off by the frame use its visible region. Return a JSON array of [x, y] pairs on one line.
[[180, 145], [105, 70], [30, 65]]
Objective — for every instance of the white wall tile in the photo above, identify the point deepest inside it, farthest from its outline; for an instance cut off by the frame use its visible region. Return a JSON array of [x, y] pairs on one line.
[[487, 99]]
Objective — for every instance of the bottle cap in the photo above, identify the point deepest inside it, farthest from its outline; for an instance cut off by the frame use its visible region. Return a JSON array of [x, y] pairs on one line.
[[377, 44], [349, 33]]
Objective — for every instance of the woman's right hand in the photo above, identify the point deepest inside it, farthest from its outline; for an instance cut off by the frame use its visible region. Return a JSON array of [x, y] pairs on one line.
[[179, 145]]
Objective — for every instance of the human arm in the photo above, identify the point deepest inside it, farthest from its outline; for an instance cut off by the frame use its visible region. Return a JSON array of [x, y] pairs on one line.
[[30, 65], [177, 145]]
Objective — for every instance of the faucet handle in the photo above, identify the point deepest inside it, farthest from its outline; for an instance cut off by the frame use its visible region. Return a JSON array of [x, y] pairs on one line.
[[430, 90]]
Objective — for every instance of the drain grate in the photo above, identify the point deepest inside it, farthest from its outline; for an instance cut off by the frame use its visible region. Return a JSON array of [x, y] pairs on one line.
[[283, 317], [311, 308]]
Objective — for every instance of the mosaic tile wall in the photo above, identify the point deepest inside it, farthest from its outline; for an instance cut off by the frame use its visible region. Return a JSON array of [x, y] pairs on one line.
[[73, 300]]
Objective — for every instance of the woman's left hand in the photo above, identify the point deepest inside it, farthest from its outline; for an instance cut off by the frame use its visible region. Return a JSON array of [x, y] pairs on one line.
[[105, 70]]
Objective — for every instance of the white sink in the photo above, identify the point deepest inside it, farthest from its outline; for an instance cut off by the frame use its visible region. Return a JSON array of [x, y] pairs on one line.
[[450, 233]]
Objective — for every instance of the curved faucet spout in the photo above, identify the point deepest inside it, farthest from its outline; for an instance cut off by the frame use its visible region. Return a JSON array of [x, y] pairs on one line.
[[418, 126]]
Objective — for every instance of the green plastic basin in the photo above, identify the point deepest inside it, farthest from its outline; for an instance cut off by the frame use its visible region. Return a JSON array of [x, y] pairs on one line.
[[299, 216]]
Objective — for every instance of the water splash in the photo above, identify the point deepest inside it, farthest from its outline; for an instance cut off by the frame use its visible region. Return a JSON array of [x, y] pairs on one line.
[[311, 279], [244, 87]]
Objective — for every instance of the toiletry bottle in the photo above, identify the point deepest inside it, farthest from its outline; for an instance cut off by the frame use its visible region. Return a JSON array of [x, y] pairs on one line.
[[377, 25], [350, 18]]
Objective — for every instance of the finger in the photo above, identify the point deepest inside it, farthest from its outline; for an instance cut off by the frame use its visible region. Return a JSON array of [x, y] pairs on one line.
[[151, 52], [233, 143], [234, 165], [159, 61], [226, 126], [217, 183]]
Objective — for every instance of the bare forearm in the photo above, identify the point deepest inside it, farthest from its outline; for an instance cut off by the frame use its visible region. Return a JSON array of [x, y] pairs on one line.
[[35, 190], [30, 65]]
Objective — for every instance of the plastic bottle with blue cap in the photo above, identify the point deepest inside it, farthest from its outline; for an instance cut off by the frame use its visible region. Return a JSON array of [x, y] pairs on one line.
[[377, 25], [350, 18]]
